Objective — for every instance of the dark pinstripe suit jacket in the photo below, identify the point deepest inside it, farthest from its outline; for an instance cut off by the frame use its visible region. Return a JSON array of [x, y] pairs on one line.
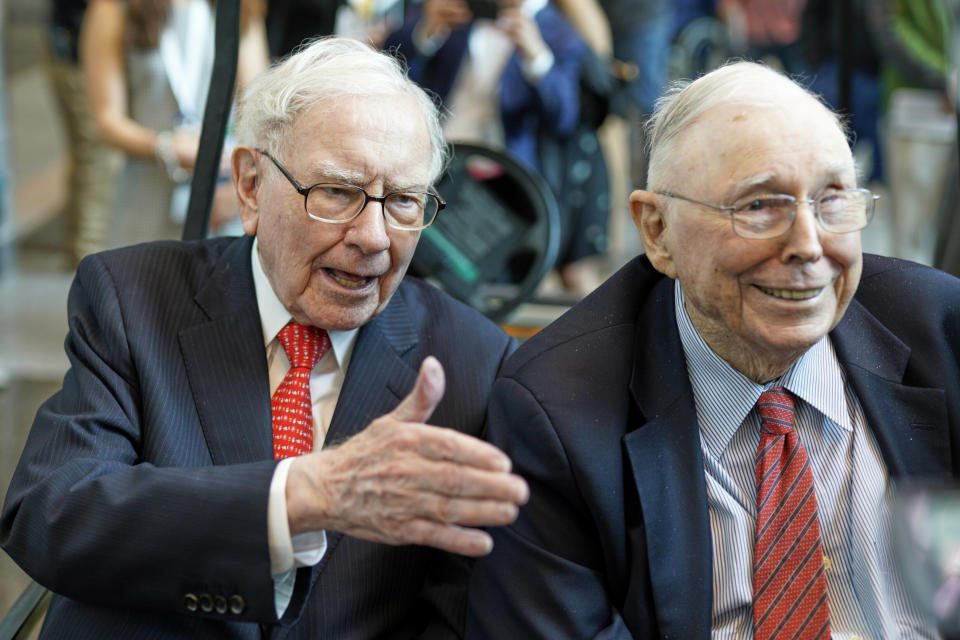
[[597, 413], [146, 477]]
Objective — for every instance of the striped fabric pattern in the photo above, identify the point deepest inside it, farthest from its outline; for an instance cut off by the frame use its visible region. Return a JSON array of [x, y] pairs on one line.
[[790, 592], [290, 405], [867, 596]]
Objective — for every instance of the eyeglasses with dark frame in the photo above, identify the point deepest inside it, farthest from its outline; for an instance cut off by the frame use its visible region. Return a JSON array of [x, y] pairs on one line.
[[771, 216], [338, 203]]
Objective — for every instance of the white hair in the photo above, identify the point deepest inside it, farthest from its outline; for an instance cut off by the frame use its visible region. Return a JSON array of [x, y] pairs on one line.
[[322, 71], [737, 82]]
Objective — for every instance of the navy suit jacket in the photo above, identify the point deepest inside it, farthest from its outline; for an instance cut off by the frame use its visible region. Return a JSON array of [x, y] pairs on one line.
[[146, 477], [549, 107], [597, 413]]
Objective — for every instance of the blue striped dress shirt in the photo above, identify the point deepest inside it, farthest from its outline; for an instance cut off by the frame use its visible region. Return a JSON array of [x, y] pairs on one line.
[[867, 598]]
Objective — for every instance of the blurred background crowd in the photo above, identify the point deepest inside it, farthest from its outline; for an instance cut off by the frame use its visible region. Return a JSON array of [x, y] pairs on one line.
[[99, 126], [562, 85]]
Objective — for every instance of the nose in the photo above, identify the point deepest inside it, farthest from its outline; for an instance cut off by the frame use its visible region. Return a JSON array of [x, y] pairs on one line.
[[803, 242], [368, 231]]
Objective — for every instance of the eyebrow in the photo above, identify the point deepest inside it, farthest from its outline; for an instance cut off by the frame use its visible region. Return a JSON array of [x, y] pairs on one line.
[[754, 181], [331, 172]]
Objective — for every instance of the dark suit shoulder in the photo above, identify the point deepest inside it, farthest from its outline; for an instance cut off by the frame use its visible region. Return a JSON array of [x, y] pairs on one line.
[[155, 279], [445, 319], [906, 296], [905, 278], [595, 326], [162, 259]]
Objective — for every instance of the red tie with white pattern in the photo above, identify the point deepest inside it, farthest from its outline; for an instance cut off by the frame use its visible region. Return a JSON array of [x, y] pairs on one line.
[[789, 587], [290, 405]]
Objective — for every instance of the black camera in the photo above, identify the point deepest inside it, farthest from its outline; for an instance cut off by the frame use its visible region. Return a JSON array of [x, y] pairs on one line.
[[483, 8]]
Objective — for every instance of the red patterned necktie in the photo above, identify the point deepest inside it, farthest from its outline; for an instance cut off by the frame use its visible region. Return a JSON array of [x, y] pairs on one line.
[[290, 405], [789, 587]]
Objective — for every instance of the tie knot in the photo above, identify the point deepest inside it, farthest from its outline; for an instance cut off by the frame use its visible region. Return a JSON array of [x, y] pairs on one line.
[[304, 346], [775, 407]]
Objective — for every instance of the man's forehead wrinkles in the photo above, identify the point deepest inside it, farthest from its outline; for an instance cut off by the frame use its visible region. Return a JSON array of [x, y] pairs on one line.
[[784, 178]]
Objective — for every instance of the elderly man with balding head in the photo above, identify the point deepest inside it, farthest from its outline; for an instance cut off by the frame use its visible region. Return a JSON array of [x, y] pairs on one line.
[[711, 437]]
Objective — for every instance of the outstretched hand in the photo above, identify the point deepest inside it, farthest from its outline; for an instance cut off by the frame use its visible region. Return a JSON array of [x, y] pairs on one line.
[[401, 481]]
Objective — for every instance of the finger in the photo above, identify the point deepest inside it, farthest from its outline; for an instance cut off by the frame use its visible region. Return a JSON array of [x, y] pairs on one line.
[[441, 443], [425, 395], [467, 512], [466, 482], [449, 537]]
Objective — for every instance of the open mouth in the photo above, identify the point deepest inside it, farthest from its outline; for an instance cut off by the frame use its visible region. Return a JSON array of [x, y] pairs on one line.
[[349, 280], [791, 294]]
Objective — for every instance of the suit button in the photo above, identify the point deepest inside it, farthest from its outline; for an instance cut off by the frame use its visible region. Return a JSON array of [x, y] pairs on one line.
[[220, 604], [237, 604], [206, 602], [190, 602]]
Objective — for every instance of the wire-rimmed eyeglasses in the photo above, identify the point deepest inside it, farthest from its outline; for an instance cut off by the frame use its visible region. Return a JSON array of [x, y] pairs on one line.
[[771, 216], [337, 202]]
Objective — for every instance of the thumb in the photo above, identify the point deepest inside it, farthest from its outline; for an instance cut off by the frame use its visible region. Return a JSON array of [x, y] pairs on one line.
[[425, 395]]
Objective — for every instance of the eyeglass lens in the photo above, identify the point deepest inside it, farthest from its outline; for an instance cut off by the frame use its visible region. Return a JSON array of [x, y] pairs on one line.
[[838, 212], [406, 209]]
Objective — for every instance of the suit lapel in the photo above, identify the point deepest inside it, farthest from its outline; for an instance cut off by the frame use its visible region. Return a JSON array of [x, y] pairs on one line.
[[910, 423], [667, 467], [226, 363], [377, 379]]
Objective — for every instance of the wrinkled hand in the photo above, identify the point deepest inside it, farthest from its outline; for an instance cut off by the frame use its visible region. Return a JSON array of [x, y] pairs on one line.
[[400, 481], [523, 30], [442, 15]]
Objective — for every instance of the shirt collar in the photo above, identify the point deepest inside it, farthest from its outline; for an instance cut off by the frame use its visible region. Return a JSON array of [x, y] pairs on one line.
[[724, 397], [274, 316]]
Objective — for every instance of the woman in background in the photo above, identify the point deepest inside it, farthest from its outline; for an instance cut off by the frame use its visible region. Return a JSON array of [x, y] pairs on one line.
[[148, 65]]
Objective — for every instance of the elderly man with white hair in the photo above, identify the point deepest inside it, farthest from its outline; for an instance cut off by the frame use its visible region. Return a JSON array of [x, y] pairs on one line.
[[240, 447], [710, 438]]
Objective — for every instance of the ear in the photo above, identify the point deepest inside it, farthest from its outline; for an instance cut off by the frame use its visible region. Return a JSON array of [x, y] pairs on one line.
[[246, 177], [650, 217]]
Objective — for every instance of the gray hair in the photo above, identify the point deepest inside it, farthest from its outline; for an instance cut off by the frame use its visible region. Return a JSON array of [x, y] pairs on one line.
[[737, 82], [322, 71]]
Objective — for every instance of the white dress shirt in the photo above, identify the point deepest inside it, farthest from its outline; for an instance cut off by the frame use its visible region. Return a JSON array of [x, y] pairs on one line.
[[866, 595], [474, 110], [326, 379]]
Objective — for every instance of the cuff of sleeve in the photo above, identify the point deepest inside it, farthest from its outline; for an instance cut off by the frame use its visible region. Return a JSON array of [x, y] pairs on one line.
[[278, 529], [309, 548], [283, 591], [289, 552], [534, 70]]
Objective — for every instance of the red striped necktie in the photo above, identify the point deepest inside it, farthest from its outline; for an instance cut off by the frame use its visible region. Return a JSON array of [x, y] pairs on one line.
[[789, 587], [290, 405]]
